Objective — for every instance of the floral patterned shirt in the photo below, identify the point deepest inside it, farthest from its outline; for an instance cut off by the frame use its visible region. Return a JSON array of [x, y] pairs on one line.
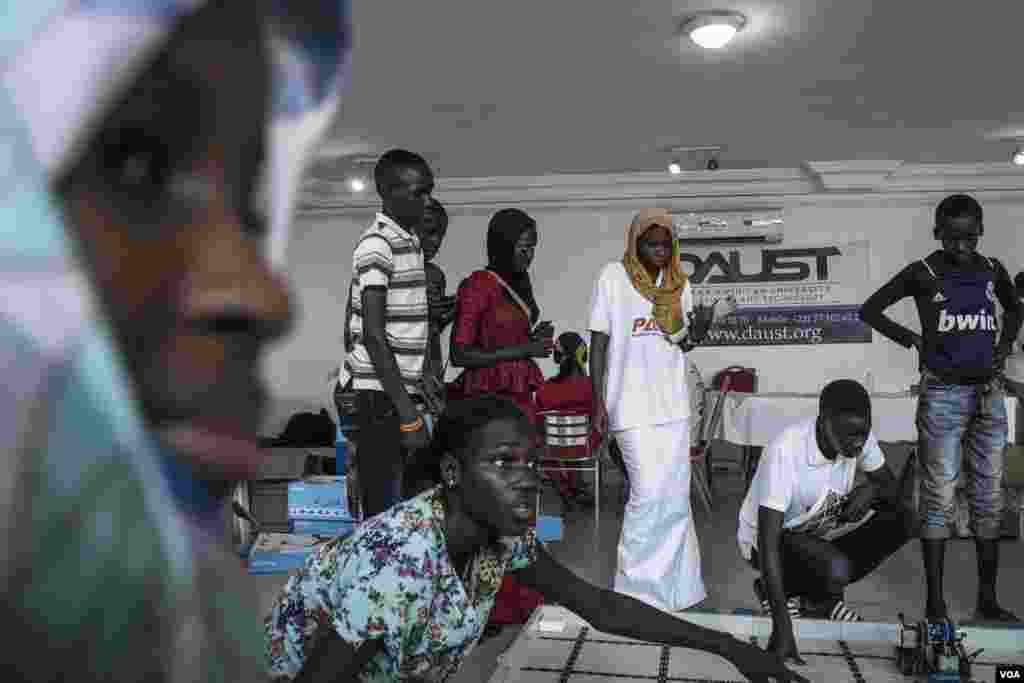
[[392, 579]]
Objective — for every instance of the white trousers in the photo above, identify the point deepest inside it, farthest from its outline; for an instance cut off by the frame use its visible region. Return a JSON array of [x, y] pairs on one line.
[[659, 553]]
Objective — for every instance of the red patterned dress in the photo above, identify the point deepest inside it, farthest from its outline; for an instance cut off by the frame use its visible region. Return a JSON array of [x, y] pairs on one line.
[[488, 318]]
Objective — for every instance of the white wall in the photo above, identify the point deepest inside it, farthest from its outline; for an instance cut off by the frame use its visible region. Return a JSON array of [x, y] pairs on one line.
[[575, 241]]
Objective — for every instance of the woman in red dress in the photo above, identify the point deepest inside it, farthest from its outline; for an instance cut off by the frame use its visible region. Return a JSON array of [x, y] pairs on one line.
[[496, 336], [496, 339]]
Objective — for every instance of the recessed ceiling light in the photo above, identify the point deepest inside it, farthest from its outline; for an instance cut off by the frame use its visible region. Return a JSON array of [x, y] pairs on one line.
[[357, 184], [712, 30], [674, 168], [1018, 156]]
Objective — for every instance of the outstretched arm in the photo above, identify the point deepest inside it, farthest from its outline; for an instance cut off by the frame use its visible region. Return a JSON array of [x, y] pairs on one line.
[[599, 378], [622, 615], [333, 660]]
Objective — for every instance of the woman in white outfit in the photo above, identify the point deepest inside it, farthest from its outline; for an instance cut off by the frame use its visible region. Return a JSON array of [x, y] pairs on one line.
[[642, 321]]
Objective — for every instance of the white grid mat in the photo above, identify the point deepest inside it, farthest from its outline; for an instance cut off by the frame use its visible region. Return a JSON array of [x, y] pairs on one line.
[[836, 652]]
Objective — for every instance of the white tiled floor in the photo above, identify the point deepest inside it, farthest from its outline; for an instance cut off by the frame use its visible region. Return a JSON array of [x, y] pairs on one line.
[[600, 658], [621, 659], [897, 586]]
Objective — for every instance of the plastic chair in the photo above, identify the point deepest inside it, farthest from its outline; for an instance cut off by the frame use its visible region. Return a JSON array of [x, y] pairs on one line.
[[567, 449], [749, 455]]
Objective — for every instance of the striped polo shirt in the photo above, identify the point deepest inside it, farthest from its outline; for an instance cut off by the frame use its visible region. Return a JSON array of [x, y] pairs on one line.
[[389, 256]]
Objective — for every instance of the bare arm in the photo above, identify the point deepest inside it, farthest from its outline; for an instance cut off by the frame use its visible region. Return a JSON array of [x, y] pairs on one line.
[[374, 305], [769, 533], [612, 612], [1012, 313], [334, 660], [599, 378], [885, 483], [475, 357], [599, 364], [873, 310]]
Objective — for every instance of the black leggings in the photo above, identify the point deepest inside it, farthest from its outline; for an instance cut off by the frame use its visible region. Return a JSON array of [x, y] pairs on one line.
[[819, 569]]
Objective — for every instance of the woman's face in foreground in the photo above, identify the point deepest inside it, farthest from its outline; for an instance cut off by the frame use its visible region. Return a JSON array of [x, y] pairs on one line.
[[163, 205]]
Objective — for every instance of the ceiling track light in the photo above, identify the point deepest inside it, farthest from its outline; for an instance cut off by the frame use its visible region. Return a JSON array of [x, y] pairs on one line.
[[359, 170], [1018, 156], [706, 157], [713, 30]]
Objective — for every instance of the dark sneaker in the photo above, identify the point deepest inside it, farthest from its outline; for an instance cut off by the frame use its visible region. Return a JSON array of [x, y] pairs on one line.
[[834, 611], [792, 603]]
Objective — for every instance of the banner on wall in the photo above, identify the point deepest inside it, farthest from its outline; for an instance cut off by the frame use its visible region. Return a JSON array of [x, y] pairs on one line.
[[806, 294]]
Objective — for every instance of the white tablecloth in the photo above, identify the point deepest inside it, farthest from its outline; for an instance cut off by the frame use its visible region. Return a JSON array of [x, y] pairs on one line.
[[755, 419]]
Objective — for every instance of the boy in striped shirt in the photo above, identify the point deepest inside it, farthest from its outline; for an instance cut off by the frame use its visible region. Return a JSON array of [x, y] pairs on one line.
[[389, 328]]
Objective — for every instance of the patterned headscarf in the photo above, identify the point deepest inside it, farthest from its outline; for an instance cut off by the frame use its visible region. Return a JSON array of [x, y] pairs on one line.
[[95, 536], [666, 297]]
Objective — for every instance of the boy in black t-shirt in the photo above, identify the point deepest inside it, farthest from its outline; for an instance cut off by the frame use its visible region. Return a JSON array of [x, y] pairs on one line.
[[961, 409], [442, 308]]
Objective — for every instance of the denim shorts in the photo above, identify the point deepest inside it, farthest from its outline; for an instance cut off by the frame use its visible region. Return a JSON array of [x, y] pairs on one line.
[[961, 425]]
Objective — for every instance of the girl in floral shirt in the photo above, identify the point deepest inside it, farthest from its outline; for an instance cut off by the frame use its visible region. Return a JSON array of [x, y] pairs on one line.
[[406, 597]]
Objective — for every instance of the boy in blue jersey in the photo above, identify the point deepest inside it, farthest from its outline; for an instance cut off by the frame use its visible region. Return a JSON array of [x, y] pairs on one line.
[[961, 410]]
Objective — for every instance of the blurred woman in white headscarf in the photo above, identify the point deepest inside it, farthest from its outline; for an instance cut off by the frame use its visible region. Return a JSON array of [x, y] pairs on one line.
[[150, 154]]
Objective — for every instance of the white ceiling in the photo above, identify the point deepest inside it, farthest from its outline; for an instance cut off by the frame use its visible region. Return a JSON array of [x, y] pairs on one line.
[[537, 87]]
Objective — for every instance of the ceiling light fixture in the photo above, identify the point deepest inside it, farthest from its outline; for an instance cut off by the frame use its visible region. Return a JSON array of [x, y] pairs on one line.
[[1018, 156], [356, 184], [712, 30], [703, 156]]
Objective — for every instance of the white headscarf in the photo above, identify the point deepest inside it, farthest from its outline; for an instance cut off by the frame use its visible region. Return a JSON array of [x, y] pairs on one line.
[[81, 487]]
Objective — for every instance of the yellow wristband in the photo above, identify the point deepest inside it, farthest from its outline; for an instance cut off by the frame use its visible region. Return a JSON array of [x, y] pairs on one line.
[[413, 426]]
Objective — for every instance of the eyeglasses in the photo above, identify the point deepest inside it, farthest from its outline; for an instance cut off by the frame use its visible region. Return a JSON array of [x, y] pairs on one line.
[[515, 459]]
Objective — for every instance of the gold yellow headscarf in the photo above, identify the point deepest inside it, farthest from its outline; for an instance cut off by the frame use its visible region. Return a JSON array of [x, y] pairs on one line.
[[667, 298]]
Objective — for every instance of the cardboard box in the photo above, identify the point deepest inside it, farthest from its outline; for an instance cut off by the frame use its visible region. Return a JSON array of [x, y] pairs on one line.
[[549, 528], [322, 527], [319, 498], [274, 553]]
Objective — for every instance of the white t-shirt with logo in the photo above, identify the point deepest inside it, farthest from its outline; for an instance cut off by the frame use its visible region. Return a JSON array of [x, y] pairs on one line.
[[792, 475], [646, 372]]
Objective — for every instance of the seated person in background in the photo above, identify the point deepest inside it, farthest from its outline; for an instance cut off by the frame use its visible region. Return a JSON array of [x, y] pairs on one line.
[[406, 597], [570, 391], [792, 521]]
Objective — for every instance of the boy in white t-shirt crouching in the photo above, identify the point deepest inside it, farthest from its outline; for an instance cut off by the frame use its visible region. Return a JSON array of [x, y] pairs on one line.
[[805, 526]]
